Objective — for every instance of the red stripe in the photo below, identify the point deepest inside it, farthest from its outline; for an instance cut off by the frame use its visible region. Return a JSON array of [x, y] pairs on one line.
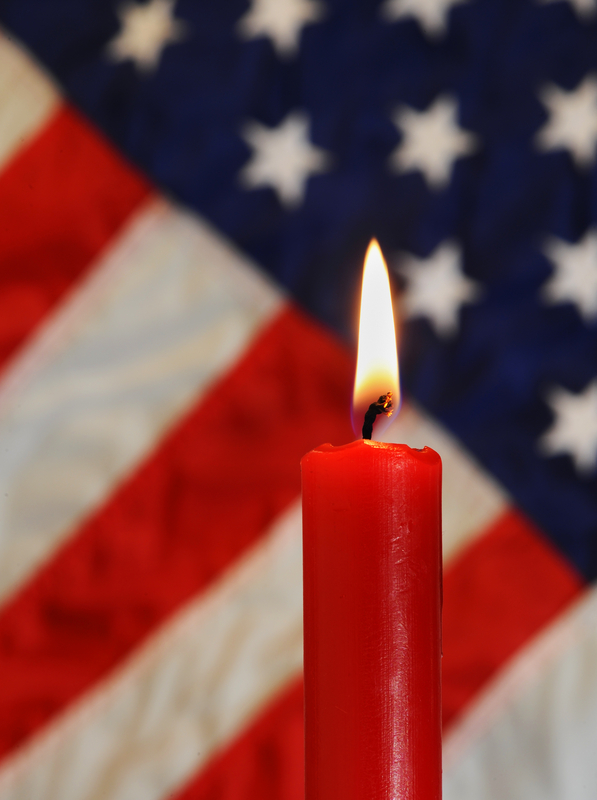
[[175, 524], [265, 762], [62, 198], [505, 587]]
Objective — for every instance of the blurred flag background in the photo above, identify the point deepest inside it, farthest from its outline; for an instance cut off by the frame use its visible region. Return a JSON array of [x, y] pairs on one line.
[[187, 190]]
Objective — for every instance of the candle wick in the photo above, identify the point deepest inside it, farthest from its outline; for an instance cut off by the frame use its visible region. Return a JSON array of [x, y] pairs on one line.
[[381, 406]]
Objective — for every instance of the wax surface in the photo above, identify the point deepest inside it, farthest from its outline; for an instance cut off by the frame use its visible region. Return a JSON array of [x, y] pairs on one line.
[[372, 595]]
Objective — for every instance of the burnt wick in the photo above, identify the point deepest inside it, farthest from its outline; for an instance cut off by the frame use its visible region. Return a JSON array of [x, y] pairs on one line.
[[381, 406]]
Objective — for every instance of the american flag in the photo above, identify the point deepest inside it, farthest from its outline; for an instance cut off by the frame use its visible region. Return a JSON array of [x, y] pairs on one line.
[[187, 190]]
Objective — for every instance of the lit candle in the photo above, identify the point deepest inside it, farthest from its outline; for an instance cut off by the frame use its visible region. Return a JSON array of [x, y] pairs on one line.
[[372, 593]]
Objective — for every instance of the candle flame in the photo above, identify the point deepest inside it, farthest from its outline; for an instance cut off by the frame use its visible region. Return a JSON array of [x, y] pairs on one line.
[[377, 358]]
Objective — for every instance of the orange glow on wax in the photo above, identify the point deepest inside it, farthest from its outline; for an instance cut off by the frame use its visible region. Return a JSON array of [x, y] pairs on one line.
[[377, 357]]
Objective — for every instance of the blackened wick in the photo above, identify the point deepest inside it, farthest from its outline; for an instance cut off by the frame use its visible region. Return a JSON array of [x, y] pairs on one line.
[[381, 406]]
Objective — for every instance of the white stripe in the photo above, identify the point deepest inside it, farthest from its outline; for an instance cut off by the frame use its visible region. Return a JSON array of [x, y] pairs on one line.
[[189, 691], [471, 498], [27, 98], [165, 313], [532, 734]]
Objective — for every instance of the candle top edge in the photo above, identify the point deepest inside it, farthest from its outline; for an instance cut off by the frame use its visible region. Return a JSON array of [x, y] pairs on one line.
[[425, 454]]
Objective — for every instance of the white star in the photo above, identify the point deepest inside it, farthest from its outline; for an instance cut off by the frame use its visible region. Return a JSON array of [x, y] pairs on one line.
[[585, 9], [432, 15], [431, 141], [574, 429], [437, 287], [575, 276], [145, 30], [283, 158], [281, 20], [572, 122]]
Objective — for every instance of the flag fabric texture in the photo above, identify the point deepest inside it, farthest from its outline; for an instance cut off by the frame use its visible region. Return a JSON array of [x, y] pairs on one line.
[[187, 190]]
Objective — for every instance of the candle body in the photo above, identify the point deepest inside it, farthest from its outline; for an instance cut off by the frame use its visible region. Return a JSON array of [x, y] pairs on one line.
[[372, 604]]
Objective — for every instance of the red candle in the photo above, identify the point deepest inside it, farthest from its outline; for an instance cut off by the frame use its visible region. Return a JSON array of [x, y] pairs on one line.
[[372, 602]]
